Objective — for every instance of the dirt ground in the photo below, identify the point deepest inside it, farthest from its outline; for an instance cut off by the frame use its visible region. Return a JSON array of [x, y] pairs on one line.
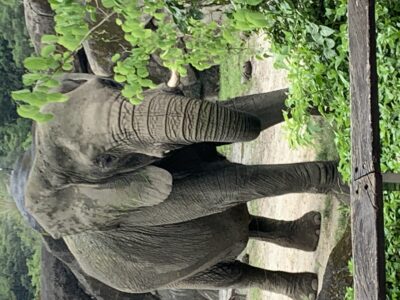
[[272, 148]]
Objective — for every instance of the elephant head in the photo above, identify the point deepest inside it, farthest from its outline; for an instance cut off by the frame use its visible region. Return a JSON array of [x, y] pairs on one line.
[[98, 151]]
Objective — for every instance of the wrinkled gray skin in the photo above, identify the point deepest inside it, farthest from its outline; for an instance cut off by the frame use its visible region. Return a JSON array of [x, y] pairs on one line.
[[58, 263], [102, 180]]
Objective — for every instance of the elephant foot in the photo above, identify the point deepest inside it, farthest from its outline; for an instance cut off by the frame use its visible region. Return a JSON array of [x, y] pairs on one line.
[[305, 231], [297, 286], [305, 287], [302, 234]]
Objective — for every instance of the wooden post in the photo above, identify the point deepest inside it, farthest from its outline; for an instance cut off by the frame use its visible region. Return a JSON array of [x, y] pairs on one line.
[[366, 192]]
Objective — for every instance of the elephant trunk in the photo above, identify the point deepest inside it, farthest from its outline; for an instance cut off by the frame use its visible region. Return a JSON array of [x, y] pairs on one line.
[[173, 119]]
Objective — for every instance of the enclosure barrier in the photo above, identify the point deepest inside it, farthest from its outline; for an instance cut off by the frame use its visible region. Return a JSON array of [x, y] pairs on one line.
[[367, 183]]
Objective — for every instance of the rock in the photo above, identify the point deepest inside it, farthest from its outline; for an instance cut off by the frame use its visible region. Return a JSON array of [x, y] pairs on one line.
[[57, 281], [106, 40], [39, 20], [337, 275]]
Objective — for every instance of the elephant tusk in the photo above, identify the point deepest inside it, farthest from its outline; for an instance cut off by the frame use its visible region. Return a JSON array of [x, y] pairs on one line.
[[174, 80]]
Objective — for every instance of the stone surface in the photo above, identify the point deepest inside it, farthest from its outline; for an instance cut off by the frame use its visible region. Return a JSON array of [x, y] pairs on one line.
[[57, 281], [39, 20], [337, 276]]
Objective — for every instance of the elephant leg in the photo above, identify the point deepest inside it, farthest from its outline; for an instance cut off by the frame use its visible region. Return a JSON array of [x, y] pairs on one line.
[[219, 186], [237, 275], [302, 234], [267, 107], [241, 183]]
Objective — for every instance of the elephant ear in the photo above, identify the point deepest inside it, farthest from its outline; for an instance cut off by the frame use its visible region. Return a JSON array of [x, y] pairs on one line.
[[79, 208], [146, 187]]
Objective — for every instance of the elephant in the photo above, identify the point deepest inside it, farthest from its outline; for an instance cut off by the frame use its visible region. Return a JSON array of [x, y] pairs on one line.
[[59, 251], [143, 201]]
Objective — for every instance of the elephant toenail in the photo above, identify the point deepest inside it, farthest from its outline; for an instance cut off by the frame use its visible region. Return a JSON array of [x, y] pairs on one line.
[[317, 232], [311, 297], [317, 219], [314, 284]]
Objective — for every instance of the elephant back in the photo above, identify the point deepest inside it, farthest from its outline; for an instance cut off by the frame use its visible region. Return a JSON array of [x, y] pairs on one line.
[[141, 259]]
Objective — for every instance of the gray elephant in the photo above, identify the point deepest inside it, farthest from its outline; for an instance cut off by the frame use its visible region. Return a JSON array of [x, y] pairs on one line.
[[140, 208], [59, 250]]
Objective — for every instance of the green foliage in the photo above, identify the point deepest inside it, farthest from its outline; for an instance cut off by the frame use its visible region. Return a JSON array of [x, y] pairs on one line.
[[11, 75], [15, 138], [309, 40], [13, 29], [19, 252], [349, 290], [14, 132], [20, 249], [181, 38]]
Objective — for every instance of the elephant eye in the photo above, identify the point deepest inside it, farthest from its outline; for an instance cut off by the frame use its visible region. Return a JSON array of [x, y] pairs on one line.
[[105, 160]]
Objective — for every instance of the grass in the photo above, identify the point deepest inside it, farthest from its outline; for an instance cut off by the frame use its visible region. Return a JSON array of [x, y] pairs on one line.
[[231, 76], [231, 84]]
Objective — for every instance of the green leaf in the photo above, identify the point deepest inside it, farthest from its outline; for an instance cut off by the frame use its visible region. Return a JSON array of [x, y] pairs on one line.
[[108, 3], [48, 50], [244, 26], [71, 43], [37, 64], [119, 78], [330, 43], [129, 91], [67, 67], [21, 94], [49, 39], [31, 78], [326, 31], [135, 101], [93, 16], [56, 97], [27, 111], [118, 22], [253, 2], [142, 72], [115, 57], [256, 18], [42, 118], [146, 83], [35, 98], [51, 83], [228, 36], [240, 15]]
